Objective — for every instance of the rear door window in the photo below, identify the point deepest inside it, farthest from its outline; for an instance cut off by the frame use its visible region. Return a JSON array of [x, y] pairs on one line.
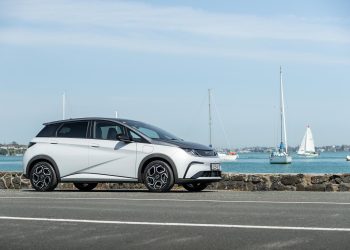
[[73, 130]]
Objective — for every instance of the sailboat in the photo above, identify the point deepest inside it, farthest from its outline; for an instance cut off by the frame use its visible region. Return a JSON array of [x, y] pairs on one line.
[[307, 146], [224, 156], [348, 158], [281, 156]]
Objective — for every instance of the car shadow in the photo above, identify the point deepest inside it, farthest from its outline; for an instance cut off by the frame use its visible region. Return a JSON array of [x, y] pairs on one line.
[[116, 191]]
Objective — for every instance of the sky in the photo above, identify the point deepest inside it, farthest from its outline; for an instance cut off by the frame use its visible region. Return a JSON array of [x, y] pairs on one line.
[[154, 61]]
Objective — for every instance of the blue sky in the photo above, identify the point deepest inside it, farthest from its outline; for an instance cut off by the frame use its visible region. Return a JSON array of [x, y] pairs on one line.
[[154, 61]]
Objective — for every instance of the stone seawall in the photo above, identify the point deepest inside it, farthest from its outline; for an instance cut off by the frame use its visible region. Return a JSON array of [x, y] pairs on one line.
[[234, 182]]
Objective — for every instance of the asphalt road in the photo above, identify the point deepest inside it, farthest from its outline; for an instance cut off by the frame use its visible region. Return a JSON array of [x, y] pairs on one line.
[[176, 220]]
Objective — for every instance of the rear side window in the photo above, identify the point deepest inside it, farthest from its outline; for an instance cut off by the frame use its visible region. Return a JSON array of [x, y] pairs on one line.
[[73, 130], [49, 130]]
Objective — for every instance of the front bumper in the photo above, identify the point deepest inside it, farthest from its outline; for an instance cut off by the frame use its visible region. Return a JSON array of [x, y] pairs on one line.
[[201, 172]]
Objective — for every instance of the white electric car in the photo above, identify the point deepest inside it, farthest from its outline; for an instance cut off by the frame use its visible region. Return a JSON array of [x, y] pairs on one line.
[[88, 151]]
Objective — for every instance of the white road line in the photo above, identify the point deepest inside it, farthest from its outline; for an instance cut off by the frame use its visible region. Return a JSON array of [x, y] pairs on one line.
[[177, 200], [116, 222]]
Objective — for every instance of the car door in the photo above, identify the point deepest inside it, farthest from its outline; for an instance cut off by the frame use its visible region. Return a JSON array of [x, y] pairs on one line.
[[110, 157], [70, 148]]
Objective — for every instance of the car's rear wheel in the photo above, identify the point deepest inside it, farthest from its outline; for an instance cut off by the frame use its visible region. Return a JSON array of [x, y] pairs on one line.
[[158, 176], [85, 186], [43, 177], [195, 187]]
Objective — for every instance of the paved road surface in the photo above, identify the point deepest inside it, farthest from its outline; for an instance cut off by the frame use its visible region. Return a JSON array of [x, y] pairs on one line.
[[176, 220]]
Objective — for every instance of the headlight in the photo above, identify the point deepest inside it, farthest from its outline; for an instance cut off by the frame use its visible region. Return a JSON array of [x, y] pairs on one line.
[[191, 151]]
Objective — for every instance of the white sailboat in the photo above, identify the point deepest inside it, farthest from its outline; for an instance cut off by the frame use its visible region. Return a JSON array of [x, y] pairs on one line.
[[224, 156], [307, 146], [281, 155], [348, 158]]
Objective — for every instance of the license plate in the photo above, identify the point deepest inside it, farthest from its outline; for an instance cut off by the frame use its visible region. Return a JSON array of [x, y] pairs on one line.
[[215, 166]]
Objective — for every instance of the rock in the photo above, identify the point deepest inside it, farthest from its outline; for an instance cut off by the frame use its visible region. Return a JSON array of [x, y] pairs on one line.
[[8, 181], [278, 186], [66, 186], [331, 187], [249, 186], [316, 187], [236, 178], [25, 184], [346, 178], [300, 187], [261, 186], [290, 180], [238, 185], [300, 176], [318, 179], [254, 179], [221, 185], [335, 179], [343, 187], [16, 181], [275, 178], [2, 184]]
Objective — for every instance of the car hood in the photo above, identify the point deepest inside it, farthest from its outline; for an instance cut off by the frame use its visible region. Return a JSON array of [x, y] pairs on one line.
[[182, 144]]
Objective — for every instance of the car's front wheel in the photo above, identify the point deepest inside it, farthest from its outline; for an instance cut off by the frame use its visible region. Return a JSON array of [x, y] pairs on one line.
[[85, 186], [195, 187], [158, 176], [43, 177]]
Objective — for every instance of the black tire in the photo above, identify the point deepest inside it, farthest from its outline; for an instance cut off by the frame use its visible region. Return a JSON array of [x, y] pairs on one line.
[[195, 187], [158, 176], [43, 177], [85, 186]]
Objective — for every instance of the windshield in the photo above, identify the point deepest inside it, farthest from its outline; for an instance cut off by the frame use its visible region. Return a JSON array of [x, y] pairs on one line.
[[151, 131]]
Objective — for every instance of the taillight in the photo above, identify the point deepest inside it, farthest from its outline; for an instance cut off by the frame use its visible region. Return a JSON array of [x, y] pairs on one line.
[[31, 144]]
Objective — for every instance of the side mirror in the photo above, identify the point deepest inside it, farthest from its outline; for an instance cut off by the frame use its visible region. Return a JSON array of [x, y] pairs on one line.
[[124, 138]]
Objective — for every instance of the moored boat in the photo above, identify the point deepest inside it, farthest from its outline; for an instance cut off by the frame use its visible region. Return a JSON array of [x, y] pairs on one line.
[[307, 145], [228, 157], [281, 156], [224, 156], [348, 158]]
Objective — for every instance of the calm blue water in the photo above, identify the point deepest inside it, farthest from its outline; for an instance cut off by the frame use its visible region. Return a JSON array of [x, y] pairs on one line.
[[259, 163], [10, 163], [249, 163]]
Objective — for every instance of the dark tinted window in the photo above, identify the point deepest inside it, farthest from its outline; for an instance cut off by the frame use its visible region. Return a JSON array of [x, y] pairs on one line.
[[151, 131], [105, 130], [49, 130], [73, 130], [136, 137]]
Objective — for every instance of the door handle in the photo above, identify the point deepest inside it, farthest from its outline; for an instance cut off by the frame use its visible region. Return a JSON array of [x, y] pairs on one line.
[[94, 145], [53, 142]]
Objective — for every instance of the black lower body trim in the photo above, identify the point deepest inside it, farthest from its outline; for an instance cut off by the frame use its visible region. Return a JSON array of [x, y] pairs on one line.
[[183, 181]]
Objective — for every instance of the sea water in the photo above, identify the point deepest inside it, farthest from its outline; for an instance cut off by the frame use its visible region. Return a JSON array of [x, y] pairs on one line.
[[328, 162], [325, 163], [11, 163]]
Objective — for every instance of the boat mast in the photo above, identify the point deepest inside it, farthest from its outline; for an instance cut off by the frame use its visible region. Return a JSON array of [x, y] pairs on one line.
[[64, 106], [283, 118], [210, 121]]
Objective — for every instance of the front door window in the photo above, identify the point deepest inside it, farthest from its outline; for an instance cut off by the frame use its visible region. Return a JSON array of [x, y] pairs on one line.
[[105, 130]]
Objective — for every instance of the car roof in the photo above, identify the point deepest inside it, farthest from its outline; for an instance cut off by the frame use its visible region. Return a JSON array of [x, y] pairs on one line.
[[89, 119]]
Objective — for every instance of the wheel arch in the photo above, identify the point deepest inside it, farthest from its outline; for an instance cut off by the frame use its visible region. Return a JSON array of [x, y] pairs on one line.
[[39, 158], [154, 157]]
